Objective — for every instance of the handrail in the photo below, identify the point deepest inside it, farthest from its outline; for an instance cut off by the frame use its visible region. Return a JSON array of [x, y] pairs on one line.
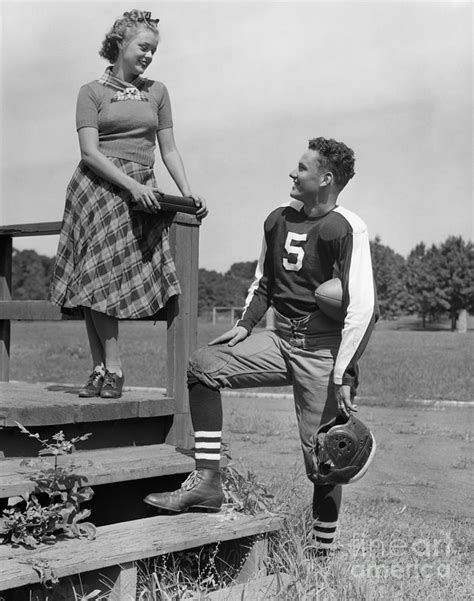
[[180, 312]]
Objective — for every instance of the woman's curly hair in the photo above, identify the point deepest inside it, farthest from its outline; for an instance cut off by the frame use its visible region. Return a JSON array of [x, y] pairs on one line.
[[337, 157], [121, 29]]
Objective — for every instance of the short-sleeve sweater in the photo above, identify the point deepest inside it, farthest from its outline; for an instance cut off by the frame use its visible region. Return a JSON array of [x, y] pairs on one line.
[[127, 123]]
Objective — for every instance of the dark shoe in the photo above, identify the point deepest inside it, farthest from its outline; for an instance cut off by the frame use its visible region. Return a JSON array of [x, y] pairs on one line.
[[202, 489], [315, 552], [112, 386], [93, 386]]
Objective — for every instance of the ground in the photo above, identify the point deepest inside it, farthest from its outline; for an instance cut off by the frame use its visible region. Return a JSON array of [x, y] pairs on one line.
[[424, 455]]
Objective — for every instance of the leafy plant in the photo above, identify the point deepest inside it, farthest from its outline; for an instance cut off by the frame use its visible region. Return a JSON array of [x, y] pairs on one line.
[[242, 490], [28, 519]]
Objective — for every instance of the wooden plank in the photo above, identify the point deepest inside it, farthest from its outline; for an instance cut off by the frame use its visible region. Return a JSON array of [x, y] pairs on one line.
[[265, 588], [118, 544], [125, 584], [102, 466], [44, 404], [182, 330], [41, 310], [51, 228], [253, 564], [17, 230], [5, 295]]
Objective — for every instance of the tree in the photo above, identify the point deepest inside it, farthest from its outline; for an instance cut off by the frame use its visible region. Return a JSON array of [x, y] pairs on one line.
[[456, 276], [425, 296], [390, 279], [31, 275], [244, 270]]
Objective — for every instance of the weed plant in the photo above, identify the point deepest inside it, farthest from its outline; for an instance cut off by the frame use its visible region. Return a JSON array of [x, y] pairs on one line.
[[31, 519]]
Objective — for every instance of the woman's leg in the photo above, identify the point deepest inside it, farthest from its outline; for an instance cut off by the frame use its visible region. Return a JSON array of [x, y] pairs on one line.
[[95, 344], [107, 329], [93, 386]]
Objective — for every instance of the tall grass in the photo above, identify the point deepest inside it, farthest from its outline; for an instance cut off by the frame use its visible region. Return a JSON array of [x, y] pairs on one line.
[[384, 551]]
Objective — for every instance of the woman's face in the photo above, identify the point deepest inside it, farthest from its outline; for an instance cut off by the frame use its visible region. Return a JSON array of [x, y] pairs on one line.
[[136, 52]]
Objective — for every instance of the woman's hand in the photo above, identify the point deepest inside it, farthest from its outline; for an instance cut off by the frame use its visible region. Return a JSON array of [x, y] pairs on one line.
[[201, 203], [145, 197]]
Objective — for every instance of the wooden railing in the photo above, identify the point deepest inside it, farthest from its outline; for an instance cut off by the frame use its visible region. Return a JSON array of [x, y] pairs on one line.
[[180, 313]]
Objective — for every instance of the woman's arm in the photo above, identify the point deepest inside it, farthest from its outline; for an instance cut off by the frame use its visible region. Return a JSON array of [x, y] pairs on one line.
[[102, 166], [173, 162]]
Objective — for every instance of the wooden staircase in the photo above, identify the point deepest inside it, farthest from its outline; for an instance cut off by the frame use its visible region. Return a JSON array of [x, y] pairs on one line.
[[140, 443]]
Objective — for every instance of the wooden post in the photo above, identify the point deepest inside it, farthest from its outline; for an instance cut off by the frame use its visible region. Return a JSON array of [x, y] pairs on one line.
[[182, 325], [125, 584], [254, 564], [5, 294]]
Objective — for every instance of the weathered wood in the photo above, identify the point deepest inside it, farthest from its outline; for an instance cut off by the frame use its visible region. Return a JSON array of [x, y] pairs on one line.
[[124, 587], [5, 295], [253, 564], [41, 404], [182, 331], [51, 228], [265, 588], [18, 230], [34, 310], [102, 466], [130, 541]]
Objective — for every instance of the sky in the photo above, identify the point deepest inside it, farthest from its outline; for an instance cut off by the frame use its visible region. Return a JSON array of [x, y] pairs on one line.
[[250, 83]]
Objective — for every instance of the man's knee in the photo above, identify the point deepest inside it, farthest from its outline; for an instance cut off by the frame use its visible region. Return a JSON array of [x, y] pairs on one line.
[[206, 365]]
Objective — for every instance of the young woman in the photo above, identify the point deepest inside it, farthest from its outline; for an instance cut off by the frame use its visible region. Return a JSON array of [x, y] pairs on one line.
[[113, 260]]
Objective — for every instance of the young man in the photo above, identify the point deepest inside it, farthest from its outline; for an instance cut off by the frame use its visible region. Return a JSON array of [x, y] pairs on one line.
[[307, 242]]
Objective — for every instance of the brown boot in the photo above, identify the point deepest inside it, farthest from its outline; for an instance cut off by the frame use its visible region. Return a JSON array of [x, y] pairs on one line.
[[202, 489]]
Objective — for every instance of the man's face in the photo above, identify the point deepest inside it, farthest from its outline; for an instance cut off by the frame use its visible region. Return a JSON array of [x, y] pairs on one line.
[[307, 177]]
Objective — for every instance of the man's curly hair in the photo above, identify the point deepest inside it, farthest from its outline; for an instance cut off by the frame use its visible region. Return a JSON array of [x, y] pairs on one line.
[[121, 29], [336, 157]]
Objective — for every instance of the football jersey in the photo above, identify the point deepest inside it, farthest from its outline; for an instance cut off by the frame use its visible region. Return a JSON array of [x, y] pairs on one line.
[[298, 254]]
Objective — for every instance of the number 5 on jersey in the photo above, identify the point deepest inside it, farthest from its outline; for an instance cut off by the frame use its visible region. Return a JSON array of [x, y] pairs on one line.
[[294, 262]]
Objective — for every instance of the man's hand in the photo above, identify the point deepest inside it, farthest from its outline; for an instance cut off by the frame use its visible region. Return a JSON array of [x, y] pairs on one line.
[[233, 337], [344, 401]]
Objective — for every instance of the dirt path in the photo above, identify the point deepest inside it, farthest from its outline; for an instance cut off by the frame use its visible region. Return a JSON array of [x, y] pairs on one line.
[[424, 455]]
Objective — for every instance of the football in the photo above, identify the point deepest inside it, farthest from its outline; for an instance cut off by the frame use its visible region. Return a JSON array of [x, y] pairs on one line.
[[329, 299]]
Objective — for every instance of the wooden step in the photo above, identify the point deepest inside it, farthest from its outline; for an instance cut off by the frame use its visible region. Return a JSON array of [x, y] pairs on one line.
[[128, 542], [103, 466], [45, 404]]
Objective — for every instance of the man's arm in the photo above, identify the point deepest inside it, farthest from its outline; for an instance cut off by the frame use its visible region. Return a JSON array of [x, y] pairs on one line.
[[360, 302], [257, 301]]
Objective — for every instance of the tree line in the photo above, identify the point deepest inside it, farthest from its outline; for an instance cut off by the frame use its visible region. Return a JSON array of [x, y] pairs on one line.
[[432, 282]]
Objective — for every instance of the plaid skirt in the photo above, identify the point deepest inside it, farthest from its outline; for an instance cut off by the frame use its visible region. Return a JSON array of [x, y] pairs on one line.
[[112, 259]]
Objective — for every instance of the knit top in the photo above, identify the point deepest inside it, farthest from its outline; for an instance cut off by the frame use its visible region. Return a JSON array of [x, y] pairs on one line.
[[127, 119]]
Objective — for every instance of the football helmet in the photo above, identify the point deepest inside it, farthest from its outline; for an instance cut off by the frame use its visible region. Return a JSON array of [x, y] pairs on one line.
[[343, 449]]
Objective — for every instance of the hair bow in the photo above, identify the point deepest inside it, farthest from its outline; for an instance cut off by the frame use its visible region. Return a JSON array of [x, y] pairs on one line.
[[147, 17]]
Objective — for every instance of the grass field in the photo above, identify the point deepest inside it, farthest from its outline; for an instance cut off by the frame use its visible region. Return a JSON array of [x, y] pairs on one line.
[[397, 365], [406, 527]]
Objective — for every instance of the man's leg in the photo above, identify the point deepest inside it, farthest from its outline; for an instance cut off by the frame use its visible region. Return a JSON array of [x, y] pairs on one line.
[[256, 361], [315, 404]]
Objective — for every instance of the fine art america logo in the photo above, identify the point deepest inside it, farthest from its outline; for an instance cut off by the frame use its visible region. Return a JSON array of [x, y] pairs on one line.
[[400, 558]]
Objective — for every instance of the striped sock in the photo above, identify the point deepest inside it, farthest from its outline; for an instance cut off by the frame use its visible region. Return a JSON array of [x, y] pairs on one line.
[[206, 414], [207, 449], [323, 533], [326, 507]]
